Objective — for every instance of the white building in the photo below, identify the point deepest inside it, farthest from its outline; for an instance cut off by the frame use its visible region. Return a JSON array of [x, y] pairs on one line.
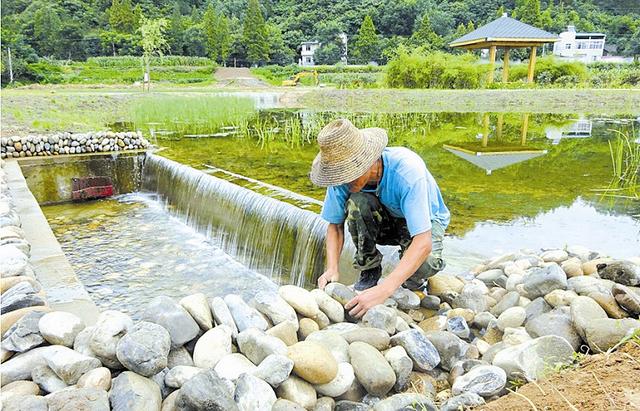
[[585, 47], [307, 49]]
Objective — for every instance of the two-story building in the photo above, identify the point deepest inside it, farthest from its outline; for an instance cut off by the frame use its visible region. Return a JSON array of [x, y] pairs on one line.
[[585, 47], [307, 49]]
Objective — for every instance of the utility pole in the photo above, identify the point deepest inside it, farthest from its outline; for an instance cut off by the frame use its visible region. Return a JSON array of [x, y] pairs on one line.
[[10, 65]]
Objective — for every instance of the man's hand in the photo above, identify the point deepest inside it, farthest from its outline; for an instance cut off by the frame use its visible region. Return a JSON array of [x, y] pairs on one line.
[[367, 299], [329, 276]]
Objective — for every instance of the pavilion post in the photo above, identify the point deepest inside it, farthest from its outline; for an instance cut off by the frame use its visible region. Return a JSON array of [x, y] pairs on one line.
[[505, 67], [532, 64], [492, 64], [499, 126], [485, 129], [525, 128]]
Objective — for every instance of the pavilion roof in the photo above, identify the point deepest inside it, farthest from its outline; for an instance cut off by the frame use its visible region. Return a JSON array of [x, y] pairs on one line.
[[504, 31], [490, 161]]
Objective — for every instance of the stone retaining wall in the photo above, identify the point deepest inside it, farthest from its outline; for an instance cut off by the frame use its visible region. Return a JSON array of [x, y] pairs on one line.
[[71, 143]]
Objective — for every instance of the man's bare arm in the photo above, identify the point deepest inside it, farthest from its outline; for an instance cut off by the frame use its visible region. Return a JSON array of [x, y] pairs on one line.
[[335, 242]]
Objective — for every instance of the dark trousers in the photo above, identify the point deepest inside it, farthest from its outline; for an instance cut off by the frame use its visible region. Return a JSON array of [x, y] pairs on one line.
[[371, 224]]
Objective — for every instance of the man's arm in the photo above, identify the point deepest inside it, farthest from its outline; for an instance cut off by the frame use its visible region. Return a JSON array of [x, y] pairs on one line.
[[416, 254], [335, 242]]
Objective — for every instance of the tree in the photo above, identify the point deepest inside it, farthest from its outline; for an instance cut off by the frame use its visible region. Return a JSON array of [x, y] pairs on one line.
[[254, 34], [123, 17], [425, 37], [528, 11], [279, 53], [366, 46], [216, 29], [47, 28], [153, 40], [175, 33]]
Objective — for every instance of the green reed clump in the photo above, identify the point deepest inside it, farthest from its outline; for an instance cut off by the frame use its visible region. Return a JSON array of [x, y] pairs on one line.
[[625, 161], [189, 114]]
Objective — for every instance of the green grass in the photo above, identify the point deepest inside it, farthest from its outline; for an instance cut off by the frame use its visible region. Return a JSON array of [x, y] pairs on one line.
[[199, 114], [625, 161]]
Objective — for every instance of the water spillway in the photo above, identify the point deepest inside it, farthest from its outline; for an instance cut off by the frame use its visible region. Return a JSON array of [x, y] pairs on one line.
[[275, 238]]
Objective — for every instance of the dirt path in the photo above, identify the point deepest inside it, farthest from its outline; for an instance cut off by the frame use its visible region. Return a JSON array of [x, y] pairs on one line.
[[237, 77], [601, 382]]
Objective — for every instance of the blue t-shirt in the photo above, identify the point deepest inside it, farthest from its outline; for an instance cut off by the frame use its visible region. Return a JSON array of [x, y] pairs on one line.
[[407, 190]]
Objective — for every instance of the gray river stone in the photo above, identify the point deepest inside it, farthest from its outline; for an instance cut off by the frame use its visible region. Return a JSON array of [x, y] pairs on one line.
[[165, 312], [177, 376], [511, 318], [300, 299], [406, 299], [450, 348], [340, 292], [332, 341], [535, 308], [325, 404], [381, 317], [340, 384], [83, 340], [541, 281], [484, 380], [159, 379], [19, 367], [144, 349], [205, 391], [14, 261], [274, 369], [299, 391], [46, 379], [256, 345], [332, 308], [133, 392], [622, 272], [492, 277], [274, 307], [533, 359], [406, 401], [212, 346], [60, 327], [371, 368], [424, 354], [222, 315], [252, 393], [458, 326], [24, 334], [17, 301], [110, 327], [585, 284], [25, 403], [627, 298], [462, 401], [19, 289], [401, 364], [604, 333], [89, 399], [285, 405], [96, 378], [232, 365], [345, 405], [245, 317], [373, 336], [556, 322], [198, 307], [471, 297], [68, 364], [510, 299], [583, 311], [482, 320], [179, 356]]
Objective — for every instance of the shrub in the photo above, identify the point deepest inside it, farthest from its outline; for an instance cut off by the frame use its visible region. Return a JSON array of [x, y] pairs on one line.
[[135, 61], [417, 69], [43, 72], [551, 71]]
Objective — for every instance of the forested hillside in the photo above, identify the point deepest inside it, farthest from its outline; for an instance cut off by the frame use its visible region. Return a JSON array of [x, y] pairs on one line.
[[270, 31]]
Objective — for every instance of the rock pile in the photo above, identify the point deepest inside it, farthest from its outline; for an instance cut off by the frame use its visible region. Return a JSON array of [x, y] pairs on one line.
[[517, 317], [71, 143]]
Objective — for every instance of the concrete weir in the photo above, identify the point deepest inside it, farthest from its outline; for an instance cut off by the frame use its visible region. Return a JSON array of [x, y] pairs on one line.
[[47, 180]]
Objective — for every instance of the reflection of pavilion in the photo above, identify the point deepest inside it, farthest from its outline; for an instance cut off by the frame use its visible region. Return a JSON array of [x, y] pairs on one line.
[[578, 129], [494, 158]]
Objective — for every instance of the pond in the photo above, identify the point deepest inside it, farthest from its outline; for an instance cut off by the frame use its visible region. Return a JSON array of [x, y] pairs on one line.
[[510, 180], [128, 250]]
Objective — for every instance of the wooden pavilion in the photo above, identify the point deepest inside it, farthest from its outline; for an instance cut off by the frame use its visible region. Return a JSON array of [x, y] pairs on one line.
[[506, 33]]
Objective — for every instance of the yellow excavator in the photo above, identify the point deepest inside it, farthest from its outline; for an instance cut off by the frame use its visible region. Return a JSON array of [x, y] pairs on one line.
[[293, 80]]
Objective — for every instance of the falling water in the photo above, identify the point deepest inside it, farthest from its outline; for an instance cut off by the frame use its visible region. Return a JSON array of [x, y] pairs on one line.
[[272, 237]]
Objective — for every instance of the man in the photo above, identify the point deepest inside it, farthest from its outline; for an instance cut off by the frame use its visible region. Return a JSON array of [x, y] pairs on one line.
[[388, 197]]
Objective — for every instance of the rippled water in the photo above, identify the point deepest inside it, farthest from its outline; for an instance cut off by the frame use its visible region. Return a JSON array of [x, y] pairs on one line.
[[128, 250]]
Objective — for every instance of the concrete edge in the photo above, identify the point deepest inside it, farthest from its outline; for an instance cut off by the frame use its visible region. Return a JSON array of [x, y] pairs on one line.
[[51, 266]]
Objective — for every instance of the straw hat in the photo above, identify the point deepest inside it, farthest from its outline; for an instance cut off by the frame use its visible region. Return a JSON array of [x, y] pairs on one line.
[[346, 152]]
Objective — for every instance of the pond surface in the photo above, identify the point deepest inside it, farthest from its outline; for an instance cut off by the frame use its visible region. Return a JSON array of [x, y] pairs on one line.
[[128, 250], [510, 180]]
